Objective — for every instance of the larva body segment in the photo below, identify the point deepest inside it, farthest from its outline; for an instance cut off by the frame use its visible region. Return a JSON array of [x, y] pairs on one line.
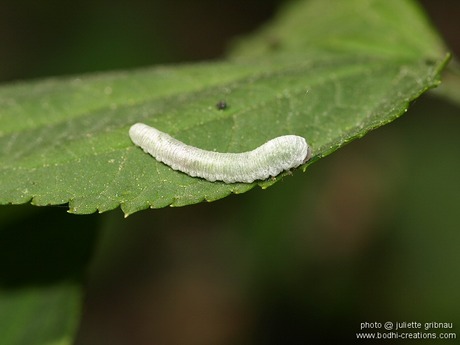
[[270, 159]]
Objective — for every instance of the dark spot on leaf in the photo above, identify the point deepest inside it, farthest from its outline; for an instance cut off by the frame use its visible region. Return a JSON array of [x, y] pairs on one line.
[[221, 105]]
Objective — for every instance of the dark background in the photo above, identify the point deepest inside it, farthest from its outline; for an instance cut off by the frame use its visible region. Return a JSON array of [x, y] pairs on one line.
[[46, 38]]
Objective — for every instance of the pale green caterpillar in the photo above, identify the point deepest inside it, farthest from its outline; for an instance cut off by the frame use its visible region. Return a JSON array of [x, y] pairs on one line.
[[270, 159]]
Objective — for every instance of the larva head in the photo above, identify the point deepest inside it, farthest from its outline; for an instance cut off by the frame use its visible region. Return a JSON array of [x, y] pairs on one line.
[[285, 152], [302, 149], [308, 156]]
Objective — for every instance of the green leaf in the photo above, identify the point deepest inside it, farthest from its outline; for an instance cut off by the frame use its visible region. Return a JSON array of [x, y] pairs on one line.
[[450, 88], [39, 315], [329, 71], [390, 29], [42, 263]]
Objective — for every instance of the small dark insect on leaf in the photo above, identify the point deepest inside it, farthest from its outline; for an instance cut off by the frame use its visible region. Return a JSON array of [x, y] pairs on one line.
[[221, 105]]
